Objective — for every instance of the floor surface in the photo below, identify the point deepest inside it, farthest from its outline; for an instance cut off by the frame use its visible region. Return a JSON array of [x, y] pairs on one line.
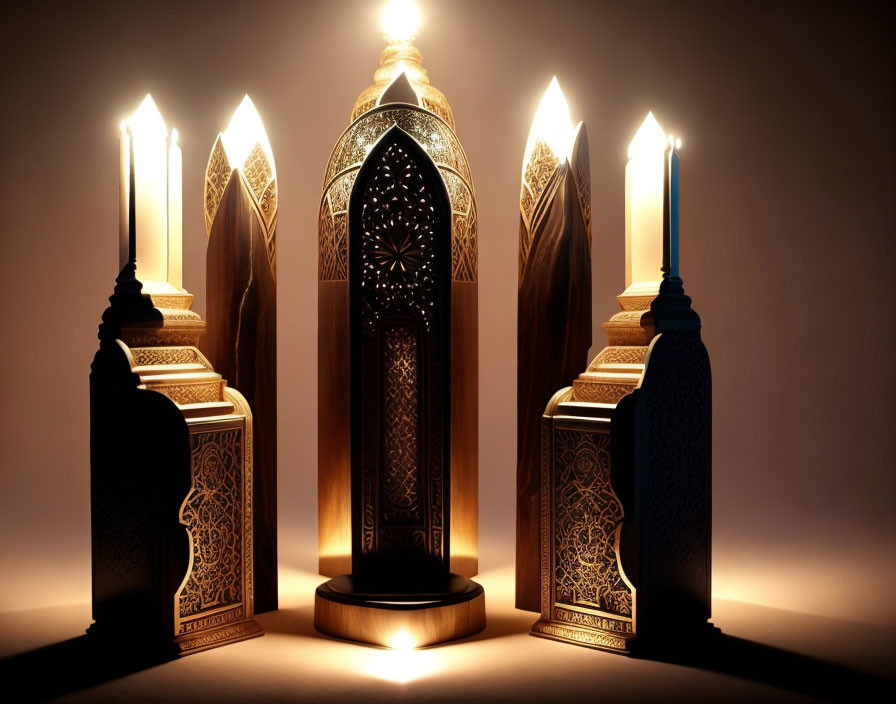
[[765, 655]]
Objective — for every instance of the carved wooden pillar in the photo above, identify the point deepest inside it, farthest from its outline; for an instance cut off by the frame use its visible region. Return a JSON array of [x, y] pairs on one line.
[[241, 291], [402, 96], [398, 378]]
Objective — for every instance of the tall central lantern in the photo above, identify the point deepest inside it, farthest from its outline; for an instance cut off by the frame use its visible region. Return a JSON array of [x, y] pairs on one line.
[[397, 405]]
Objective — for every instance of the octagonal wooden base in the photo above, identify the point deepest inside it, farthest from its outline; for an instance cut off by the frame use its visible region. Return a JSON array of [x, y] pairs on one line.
[[399, 620]]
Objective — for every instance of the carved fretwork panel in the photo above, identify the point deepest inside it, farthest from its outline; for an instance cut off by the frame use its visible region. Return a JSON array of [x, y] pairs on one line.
[[401, 491], [213, 515], [443, 149], [588, 517], [400, 273]]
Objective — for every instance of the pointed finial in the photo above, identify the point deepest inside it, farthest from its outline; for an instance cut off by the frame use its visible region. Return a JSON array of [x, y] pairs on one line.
[[400, 90]]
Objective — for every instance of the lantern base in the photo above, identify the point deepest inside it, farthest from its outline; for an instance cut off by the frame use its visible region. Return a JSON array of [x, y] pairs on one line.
[[399, 620]]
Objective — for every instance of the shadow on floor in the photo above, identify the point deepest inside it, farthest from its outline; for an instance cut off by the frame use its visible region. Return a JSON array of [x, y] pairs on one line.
[[66, 667], [775, 667]]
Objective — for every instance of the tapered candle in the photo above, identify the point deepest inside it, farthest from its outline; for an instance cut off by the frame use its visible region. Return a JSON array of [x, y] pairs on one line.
[[175, 214], [124, 201], [670, 216], [150, 153], [644, 178]]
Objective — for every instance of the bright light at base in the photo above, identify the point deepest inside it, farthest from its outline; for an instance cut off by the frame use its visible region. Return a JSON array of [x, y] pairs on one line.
[[400, 20], [243, 133], [552, 124], [402, 640]]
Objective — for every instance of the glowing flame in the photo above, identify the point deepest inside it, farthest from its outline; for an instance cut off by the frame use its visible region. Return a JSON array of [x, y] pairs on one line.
[[402, 640], [403, 663], [552, 124], [400, 20], [649, 140], [147, 119], [174, 137], [243, 133]]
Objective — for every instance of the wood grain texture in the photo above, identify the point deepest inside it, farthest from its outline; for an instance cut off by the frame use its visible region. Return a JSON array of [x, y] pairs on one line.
[[554, 335], [429, 621], [464, 428], [241, 343], [333, 431]]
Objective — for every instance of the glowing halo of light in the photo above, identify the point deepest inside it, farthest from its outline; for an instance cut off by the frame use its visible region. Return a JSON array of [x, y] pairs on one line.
[[649, 139], [552, 124], [400, 20], [243, 133]]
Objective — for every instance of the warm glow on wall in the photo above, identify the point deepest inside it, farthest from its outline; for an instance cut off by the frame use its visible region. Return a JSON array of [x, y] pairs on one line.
[[552, 125], [243, 133], [400, 20]]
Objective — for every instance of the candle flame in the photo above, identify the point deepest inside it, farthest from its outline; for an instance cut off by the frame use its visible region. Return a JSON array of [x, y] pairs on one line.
[[650, 139], [147, 118], [400, 20], [174, 136], [552, 124], [243, 133]]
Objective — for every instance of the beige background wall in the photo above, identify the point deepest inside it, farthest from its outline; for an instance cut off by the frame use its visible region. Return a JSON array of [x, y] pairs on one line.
[[786, 111]]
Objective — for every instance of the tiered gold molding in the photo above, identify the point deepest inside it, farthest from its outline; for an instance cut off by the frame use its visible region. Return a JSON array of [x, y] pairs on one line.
[[404, 57], [214, 604], [595, 606], [616, 371]]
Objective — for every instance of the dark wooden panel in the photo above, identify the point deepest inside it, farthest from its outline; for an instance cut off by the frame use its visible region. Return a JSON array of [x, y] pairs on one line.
[[554, 335], [464, 428], [241, 344], [333, 430]]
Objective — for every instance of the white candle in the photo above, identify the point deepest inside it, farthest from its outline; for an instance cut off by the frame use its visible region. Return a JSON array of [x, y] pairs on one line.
[[124, 189], [150, 150], [644, 227], [175, 214]]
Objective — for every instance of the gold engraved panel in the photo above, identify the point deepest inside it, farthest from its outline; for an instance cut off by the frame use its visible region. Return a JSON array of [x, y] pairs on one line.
[[213, 515], [146, 356], [333, 229], [619, 355], [588, 518], [538, 171], [402, 426], [601, 391], [217, 176], [205, 392]]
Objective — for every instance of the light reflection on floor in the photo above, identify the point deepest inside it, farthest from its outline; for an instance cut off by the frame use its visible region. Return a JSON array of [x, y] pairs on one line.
[[293, 662]]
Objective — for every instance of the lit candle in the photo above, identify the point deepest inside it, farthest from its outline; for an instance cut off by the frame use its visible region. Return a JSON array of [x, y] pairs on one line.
[[644, 202], [175, 214], [149, 135], [670, 215], [124, 188]]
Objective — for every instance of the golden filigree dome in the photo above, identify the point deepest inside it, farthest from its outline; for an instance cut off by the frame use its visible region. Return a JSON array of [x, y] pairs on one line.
[[402, 56]]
